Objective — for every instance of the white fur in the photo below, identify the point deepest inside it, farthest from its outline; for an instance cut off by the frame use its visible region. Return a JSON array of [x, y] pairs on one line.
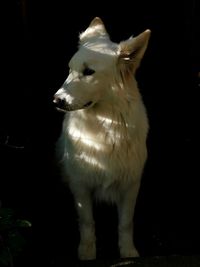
[[102, 148]]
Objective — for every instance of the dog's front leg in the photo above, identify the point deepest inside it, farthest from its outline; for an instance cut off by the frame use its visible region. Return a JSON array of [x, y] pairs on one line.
[[87, 246], [126, 207]]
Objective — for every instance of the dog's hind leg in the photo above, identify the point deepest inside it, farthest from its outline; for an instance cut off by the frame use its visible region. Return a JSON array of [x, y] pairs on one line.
[[126, 207], [87, 245]]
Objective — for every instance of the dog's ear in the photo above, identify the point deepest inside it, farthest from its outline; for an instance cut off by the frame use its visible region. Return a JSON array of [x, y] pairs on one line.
[[97, 21], [95, 29], [132, 50]]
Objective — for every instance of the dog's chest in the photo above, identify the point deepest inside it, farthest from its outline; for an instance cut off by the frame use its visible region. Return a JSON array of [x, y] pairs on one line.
[[99, 146]]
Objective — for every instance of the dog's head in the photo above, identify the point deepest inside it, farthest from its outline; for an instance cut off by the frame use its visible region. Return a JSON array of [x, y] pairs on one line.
[[98, 66]]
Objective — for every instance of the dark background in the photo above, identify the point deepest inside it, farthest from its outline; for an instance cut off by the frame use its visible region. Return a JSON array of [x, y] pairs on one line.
[[37, 40]]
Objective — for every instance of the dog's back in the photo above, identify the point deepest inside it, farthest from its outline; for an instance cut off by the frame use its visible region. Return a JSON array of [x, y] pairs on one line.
[[102, 147]]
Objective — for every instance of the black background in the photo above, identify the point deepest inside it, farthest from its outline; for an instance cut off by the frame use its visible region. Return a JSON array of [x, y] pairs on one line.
[[37, 40]]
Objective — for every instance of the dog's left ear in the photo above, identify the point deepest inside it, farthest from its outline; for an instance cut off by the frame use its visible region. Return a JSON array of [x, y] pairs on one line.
[[132, 50], [95, 29]]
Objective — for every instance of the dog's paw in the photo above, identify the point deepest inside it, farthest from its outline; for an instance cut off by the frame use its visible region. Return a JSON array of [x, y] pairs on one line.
[[87, 251], [129, 252]]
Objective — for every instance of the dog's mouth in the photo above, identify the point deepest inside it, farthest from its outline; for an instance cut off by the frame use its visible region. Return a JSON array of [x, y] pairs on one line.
[[88, 104], [66, 107], [61, 110]]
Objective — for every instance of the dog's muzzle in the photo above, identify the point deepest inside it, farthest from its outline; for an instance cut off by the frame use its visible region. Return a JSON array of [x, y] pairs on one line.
[[62, 106]]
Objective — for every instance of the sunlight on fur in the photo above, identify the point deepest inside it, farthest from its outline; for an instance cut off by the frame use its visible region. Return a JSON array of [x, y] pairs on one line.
[[102, 148], [91, 160], [76, 136]]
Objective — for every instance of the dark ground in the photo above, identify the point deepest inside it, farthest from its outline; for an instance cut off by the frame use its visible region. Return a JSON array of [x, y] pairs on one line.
[[172, 261], [38, 39]]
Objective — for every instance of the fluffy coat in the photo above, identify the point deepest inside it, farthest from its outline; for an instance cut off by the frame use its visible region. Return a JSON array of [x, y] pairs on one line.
[[102, 147]]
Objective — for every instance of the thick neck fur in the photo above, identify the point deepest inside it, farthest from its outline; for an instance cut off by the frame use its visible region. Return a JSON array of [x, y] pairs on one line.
[[115, 120]]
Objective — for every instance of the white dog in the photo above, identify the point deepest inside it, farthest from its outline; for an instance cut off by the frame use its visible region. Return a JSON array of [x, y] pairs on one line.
[[102, 147]]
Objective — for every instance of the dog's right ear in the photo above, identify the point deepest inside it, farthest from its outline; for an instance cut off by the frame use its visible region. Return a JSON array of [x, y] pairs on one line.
[[95, 29]]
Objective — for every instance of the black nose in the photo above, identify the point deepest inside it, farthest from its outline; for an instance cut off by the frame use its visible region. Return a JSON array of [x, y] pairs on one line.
[[59, 102]]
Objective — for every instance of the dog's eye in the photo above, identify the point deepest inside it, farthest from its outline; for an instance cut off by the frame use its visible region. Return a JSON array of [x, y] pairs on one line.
[[88, 72]]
